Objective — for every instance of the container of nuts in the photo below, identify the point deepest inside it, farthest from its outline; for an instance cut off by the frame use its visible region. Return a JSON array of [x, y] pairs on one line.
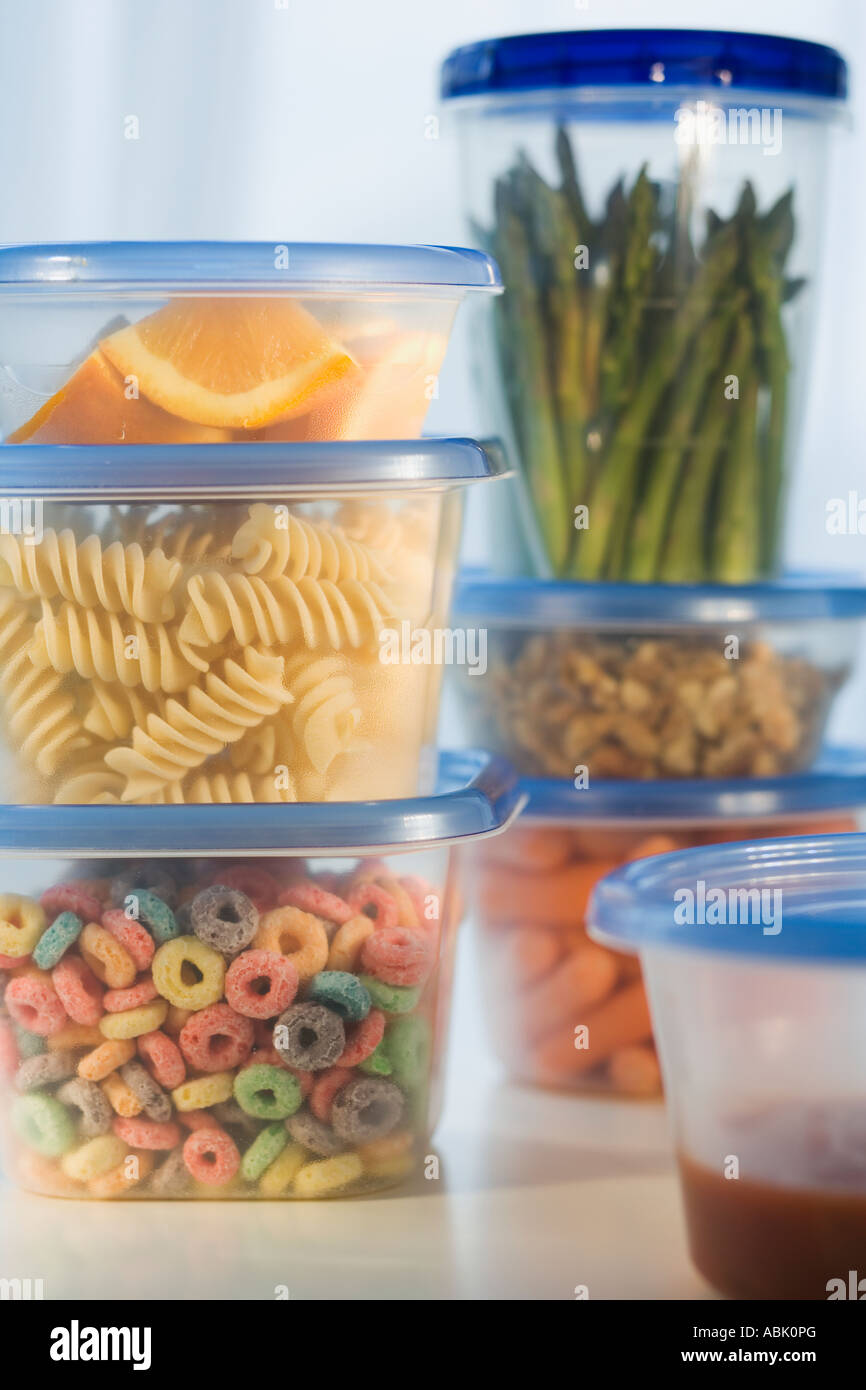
[[252, 1003], [654, 681]]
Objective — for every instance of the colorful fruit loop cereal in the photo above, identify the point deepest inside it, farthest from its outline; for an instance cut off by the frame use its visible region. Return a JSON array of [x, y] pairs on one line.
[[176, 1030]]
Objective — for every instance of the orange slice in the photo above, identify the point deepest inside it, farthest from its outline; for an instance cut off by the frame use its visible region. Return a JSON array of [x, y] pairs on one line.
[[92, 408], [233, 363]]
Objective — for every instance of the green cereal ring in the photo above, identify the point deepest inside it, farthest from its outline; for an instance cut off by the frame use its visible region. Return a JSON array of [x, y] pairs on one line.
[[154, 914], [391, 999], [378, 1063], [407, 1043], [29, 1044], [55, 942], [342, 992], [43, 1123], [267, 1092], [263, 1151]]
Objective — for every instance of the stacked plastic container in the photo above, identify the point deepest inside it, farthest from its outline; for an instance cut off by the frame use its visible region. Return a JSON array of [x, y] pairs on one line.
[[227, 919], [654, 201]]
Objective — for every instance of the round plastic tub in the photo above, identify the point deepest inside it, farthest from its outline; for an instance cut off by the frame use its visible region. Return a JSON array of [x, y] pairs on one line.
[[754, 960], [225, 625], [248, 1004], [655, 201], [209, 342], [591, 681], [563, 1011]]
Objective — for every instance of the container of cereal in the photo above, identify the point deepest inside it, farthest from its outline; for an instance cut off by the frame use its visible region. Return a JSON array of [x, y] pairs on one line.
[[251, 1003], [180, 623], [563, 1010], [655, 199], [646, 681], [209, 342], [755, 960]]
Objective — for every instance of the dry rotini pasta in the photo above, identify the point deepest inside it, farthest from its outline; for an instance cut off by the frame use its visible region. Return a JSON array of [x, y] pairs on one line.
[[40, 715], [113, 710], [273, 542], [312, 612], [104, 645], [223, 787], [120, 579], [325, 714]]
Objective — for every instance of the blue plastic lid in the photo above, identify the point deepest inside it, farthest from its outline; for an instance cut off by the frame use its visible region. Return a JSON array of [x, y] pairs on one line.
[[543, 603], [270, 267], [168, 472], [477, 795], [651, 58], [808, 900], [837, 782]]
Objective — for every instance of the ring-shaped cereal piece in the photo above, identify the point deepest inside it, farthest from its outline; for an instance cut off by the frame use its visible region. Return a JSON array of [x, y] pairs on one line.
[[110, 962], [267, 1092], [12, 962], [427, 902], [367, 1108], [171, 1178], [211, 1156], [147, 1134], [342, 992], [391, 999], [94, 1157], [117, 1001], [328, 1175], [78, 990], [74, 1037], [325, 1087], [105, 1059], [188, 973], [163, 1058], [29, 1044], [133, 1022], [378, 1063], [309, 1036], [374, 902], [136, 1166], [216, 1039], [261, 984], [362, 1039], [91, 1104], [46, 1069], [147, 876], [407, 913], [346, 944], [154, 1102], [310, 897], [22, 922], [263, 1151], [408, 1044], [397, 956], [279, 1177], [153, 912], [43, 1123], [224, 919], [259, 886], [297, 935], [77, 896], [120, 1096], [132, 935], [8, 1049], [56, 940], [32, 1001], [202, 1091]]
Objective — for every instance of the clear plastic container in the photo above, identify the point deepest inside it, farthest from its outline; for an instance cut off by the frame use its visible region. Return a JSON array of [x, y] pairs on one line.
[[655, 201], [593, 681], [563, 1011], [755, 960], [225, 625], [209, 342], [251, 1003]]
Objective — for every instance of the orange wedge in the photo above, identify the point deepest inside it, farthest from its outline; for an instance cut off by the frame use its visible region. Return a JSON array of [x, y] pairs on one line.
[[92, 408], [231, 363]]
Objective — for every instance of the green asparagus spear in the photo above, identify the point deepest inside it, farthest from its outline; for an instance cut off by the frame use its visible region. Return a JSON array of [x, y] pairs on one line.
[[736, 552]]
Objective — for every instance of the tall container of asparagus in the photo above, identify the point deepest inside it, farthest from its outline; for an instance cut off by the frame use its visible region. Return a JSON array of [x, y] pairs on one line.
[[654, 199]]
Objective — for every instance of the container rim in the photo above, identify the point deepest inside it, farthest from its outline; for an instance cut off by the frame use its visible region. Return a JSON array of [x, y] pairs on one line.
[[652, 59], [836, 782], [170, 472], [516, 602], [477, 795], [815, 908], [306, 268]]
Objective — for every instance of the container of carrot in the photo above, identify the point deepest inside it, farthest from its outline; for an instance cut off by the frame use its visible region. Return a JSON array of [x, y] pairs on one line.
[[563, 1011]]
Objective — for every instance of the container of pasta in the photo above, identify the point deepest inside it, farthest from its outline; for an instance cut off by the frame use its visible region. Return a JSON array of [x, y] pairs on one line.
[[252, 623], [251, 1003], [210, 342], [755, 961], [643, 681], [563, 1010]]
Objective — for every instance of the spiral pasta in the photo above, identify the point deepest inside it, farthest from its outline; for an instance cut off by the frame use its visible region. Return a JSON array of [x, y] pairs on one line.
[[214, 715], [120, 579], [114, 710], [314, 612], [103, 645], [222, 786], [325, 714], [90, 785], [41, 715], [273, 542]]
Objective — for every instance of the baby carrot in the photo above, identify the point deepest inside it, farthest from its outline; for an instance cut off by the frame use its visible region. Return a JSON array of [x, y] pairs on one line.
[[619, 1021], [634, 1070], [556, 899], [527, 954], [535, 850], [563, 998]]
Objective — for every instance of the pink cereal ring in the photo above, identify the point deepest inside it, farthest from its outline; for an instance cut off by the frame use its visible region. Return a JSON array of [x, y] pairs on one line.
[[311, 897], [198, 1119], [325, 1087], [13, 962], [216, 1038], [374, 902], [362, 1039], [396, 956], [147, 1134], [33, 1003], [211, 1156], [261, 984], [118, 1000], [8, 1050], [72, 897], [79, 991], [305, 1079], [259, 886], [163, 1059], [131, 934]]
